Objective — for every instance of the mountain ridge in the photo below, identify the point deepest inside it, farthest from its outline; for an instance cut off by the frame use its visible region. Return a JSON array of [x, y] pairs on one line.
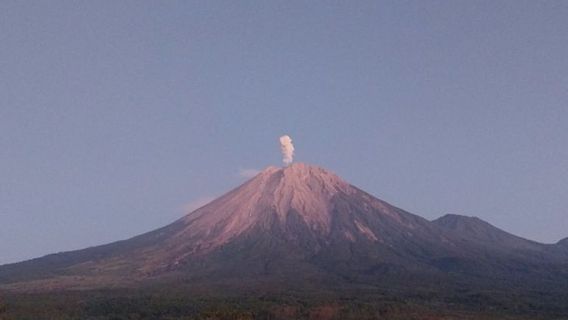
[[300, 219], [479, 230]]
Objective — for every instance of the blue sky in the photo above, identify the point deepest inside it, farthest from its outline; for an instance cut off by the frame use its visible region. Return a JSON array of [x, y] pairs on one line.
[[116, 117]]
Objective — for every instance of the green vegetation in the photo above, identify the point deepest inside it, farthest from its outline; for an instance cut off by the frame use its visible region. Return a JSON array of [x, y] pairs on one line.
[[118, 305]]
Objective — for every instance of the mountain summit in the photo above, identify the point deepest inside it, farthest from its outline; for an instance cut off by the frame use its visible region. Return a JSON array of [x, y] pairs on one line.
[[270, 197], [289, 224]]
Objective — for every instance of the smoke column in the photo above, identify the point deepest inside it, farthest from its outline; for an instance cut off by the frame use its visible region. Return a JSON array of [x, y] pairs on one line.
[[287, 149]]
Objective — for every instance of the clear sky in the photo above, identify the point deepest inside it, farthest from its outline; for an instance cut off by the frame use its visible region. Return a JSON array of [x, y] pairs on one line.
[[118, 116]]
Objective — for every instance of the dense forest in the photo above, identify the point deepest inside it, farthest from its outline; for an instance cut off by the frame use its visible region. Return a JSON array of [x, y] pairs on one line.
[[107, 305]]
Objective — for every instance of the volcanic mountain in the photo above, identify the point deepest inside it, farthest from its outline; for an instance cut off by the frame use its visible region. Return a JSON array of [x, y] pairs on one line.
[[484, 234], [300, 227]]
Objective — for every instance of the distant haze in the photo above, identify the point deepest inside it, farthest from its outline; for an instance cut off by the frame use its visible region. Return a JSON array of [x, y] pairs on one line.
[[114, 115]]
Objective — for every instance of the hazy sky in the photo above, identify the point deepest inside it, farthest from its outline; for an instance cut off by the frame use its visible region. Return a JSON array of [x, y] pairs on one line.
[[117, 115]]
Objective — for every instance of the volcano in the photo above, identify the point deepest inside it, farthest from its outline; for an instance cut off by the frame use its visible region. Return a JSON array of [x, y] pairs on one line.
[[302, 228]]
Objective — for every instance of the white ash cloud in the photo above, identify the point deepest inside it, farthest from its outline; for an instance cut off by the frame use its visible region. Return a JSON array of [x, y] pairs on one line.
[[287, 149]]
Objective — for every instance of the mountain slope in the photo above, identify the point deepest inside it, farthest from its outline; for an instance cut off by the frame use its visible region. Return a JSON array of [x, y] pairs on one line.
[[290, 224], [562, 245], [481, 231]]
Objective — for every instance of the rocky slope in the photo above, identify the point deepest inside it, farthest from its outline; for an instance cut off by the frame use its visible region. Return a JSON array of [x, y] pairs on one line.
[[290, 224]]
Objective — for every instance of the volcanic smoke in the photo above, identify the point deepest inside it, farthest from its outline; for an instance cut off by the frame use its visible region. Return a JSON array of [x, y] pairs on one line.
[[287, 149]]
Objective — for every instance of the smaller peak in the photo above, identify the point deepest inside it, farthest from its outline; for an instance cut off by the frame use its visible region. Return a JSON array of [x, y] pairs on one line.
[[456, 217], [456, 221], [563, 242]]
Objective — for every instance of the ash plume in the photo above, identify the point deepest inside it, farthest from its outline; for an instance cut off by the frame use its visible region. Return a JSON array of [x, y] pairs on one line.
[[287, 149]]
